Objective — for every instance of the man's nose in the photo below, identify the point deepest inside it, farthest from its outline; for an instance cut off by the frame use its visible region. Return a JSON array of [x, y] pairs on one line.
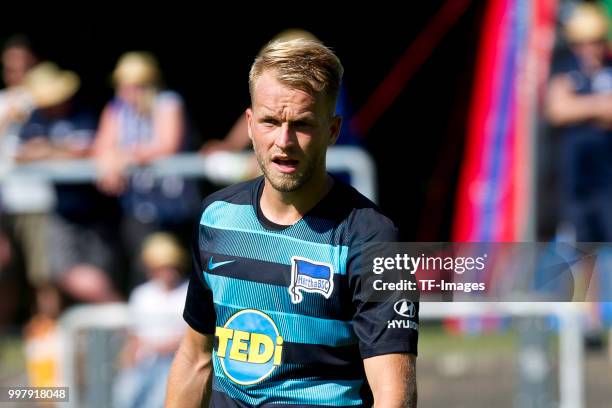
[[285, 136]]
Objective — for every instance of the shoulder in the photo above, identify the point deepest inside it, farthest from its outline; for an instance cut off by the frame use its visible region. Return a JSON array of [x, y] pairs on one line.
[[240, 194], [365, 220], [168, 98], [36, 117], [114, 106], [565, 64], [142, 292]]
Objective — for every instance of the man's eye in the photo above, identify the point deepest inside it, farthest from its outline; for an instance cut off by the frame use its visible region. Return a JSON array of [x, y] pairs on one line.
[[300, 124], [270, 122]]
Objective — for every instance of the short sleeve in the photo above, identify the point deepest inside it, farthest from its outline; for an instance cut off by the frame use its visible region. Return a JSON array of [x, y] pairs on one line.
[[378, 326], [199, 310], [33, 128], [169, 100]]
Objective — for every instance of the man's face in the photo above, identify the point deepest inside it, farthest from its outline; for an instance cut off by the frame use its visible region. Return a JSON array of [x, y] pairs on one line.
[[131, 93], [590, 53], [16, 62], [291, 131]]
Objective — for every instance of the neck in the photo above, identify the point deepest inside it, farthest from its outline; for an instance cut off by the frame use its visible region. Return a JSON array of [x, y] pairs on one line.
[[287, 208]]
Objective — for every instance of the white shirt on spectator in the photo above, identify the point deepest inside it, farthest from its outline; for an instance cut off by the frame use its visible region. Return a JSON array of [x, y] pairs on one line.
[[156, 313]]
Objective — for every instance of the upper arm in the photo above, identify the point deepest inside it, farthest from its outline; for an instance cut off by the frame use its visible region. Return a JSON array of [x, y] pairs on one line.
[[189, 380], [379, 328], [558, 96], [387, 340], [564, 106], [107, 134], [196, 346], [169, 125], [238, 136], [392, 378]]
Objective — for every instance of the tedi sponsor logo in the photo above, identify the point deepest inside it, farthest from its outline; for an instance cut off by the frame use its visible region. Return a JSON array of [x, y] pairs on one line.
[[250, 346]]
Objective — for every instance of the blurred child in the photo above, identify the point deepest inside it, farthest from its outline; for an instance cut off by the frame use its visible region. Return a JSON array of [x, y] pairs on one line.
[[157, 326]]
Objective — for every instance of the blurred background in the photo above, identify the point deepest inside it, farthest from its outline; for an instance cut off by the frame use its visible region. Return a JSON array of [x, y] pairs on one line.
[[466, 121]]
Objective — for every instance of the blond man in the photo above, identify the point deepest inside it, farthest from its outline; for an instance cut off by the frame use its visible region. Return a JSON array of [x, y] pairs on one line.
[[277, 309]]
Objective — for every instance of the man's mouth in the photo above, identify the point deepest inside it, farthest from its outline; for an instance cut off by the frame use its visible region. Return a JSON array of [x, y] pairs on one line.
[[285, 165]]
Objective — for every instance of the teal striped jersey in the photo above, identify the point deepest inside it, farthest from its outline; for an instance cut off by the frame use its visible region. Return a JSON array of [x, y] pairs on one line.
[[286, 305]]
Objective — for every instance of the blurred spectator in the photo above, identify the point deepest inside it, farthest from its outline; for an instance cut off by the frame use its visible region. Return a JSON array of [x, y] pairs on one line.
[[157, 327], [15, 101], [18, 233], [579, 102], [42, 340], [141, 124], [80, 257]]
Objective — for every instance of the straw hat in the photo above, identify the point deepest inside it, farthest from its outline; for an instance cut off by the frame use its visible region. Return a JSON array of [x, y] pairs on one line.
[[163, 250], [50, 86], [586, 23], [136, 68]]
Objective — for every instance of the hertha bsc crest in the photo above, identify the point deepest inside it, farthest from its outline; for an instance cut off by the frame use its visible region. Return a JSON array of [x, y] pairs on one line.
[[310, 276]]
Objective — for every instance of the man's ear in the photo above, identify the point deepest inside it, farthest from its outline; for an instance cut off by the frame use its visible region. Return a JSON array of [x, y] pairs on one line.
[[249, 118], [335, 127]]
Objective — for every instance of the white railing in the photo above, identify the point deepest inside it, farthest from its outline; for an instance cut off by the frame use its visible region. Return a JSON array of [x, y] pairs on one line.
[[352, 160], [570, 315], [571, 351], [112, 316]]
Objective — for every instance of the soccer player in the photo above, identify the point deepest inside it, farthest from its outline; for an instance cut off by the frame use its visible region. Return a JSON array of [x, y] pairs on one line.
[[277, 309]]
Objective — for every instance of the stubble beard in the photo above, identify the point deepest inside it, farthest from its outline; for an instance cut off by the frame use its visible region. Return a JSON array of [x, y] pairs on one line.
[[287, 183]]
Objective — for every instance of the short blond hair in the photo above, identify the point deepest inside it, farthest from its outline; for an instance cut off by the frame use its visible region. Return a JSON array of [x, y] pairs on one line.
[[302, 64]]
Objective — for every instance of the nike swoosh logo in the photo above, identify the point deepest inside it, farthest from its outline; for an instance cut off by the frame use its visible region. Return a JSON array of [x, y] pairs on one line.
[[212, 265]]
